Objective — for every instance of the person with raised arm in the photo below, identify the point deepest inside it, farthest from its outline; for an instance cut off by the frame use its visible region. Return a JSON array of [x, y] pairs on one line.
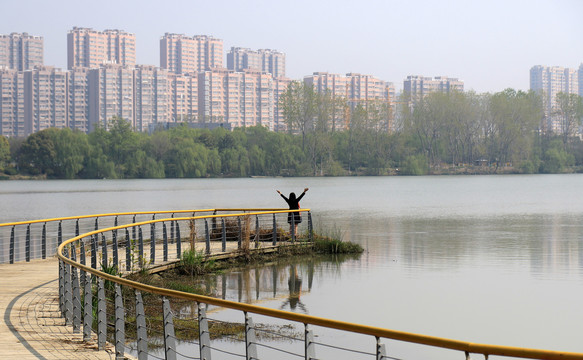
[[293, 218]]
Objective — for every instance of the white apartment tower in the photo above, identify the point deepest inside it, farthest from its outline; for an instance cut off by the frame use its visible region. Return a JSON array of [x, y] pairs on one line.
[[182, 54], [21, 51], [262, 60], [12, 103], [417, 87], [45, 99], [89, 48], [549, 81]]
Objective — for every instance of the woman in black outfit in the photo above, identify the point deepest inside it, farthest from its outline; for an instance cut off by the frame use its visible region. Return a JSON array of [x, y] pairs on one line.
[[294, 204]]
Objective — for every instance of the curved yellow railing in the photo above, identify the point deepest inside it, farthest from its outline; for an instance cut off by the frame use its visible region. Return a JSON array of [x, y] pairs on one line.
[[136, 213], [466, 347]]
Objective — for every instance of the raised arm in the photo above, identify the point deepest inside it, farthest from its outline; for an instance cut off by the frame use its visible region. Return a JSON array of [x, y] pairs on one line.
[[304, 193], [283, 196]]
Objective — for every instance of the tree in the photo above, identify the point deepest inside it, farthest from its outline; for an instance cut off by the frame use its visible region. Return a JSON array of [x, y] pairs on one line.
[[299, 104], [71, 150], [427, 122], [4, 152], [570, 110], [37, 153], [513, 119]]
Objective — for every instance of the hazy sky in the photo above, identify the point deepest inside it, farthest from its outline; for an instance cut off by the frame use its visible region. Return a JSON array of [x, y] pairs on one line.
[[490, 45]]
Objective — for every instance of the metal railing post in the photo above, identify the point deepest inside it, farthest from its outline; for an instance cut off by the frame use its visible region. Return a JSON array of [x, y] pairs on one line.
[[94, 251], [77, 227], [101, 316], [142, 333], [67, 292], [178, 241], [169, 338], [152, 243], [134, 228], [76, 293], [380, 350], [12, 245], [204, 334], [60, 233], [104, 262], [172, 233], [141, 247], [44, 242], [82, 256], [62, 287], [96, 223], [87, 309], [128, 251], [257, 231], [309, 343], [165, 243], [114, 248], [274, 231], [250, 339], [310, 226], [208, 237], [224, 235], [27, 245], [119, 324]]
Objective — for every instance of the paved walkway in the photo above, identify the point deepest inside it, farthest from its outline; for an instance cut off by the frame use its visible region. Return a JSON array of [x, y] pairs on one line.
[[32, 326]]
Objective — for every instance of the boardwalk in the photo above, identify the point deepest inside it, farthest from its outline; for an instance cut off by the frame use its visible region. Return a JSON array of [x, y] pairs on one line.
[[32, 326]]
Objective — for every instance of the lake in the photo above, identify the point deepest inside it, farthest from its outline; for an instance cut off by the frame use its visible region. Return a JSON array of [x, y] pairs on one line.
[[486, 259]]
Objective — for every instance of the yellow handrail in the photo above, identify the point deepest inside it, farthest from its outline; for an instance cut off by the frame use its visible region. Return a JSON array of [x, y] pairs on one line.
[[445, 343], [133, 213]]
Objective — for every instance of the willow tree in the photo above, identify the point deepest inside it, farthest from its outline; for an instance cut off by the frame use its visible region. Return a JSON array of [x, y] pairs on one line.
[[570, 111], [514, 117]]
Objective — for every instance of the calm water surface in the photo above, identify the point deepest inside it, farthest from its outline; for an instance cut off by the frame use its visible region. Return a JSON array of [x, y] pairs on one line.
[[487, 259]]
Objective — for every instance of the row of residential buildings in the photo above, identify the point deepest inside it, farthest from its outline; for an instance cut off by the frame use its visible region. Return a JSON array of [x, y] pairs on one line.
[[191, 84], [550, 81]]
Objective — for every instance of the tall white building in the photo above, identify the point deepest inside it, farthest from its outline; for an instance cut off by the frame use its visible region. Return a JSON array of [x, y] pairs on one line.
[[417, 87], [549, 81], [263, 60], [21, 51]]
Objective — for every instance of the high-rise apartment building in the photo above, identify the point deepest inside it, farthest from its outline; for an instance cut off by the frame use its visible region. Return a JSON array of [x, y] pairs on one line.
[[550, 81], [12, 103], [111, 94], [21, 51], [280, 85], [357, 89], [45, 99], [152, 95], [337, 85], [89, 48], [417, 87], [78, 99], [263, 60], [183, 98], [244, 98], [182, 54]]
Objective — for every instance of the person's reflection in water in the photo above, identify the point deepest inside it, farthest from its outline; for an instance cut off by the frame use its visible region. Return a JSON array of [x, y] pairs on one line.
[[295, 290]]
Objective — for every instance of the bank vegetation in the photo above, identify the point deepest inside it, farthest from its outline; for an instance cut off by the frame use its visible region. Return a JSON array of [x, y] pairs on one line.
[[455, 133]]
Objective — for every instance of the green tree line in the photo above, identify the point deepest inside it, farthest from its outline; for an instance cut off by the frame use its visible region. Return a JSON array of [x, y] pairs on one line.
[[460, 132]]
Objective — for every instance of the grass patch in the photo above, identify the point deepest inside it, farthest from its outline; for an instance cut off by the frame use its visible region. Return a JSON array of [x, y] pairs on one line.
[[194, 263], [326, 245]]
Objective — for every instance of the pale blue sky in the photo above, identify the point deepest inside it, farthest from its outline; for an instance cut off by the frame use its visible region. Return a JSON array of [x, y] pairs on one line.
[[490, 45]]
